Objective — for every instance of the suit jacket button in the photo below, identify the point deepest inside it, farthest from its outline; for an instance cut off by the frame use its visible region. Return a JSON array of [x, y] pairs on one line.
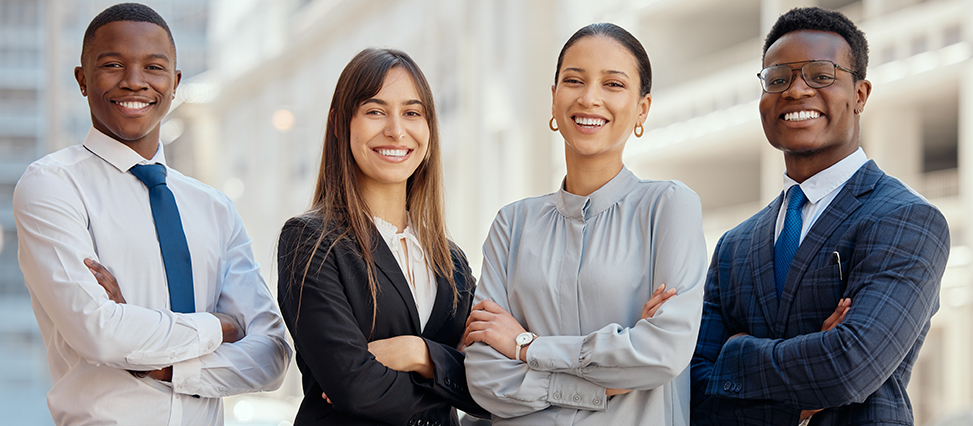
[[727, 386]]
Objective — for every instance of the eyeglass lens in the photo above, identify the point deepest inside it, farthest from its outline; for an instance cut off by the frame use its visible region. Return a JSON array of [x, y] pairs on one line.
[[817, 74]]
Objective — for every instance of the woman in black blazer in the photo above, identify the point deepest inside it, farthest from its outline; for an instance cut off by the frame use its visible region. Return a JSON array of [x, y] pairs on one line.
[[373, 293]]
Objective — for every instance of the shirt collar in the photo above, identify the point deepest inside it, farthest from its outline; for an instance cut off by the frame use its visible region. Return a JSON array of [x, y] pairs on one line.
[[584, 208], [118, 154], [826, 181], [391, 235]]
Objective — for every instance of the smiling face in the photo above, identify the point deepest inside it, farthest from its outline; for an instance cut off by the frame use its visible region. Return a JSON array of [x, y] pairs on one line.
[[129, 76], [389, 133], [596, 98], [815, 128]]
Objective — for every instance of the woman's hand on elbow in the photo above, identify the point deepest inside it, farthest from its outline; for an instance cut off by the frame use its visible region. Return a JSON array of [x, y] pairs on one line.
[[491, 324], [659, 296], [403, 353]]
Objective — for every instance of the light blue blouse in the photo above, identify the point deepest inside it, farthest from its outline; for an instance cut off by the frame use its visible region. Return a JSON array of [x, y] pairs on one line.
[[577, 271]]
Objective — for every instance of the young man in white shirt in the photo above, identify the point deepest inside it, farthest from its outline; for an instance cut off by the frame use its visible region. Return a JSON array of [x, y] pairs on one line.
[[130, 351]]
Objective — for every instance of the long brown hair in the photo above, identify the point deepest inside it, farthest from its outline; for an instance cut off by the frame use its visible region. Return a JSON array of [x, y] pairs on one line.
[[338, 200]]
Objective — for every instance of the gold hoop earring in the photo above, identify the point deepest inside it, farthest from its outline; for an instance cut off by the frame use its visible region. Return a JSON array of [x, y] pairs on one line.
[[552, 124], [84, 92], [858, 111], [639, 130]]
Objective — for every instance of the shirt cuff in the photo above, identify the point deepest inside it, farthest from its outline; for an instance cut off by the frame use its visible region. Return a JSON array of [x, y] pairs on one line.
[[555, 353], [574, 392], [210, 331]]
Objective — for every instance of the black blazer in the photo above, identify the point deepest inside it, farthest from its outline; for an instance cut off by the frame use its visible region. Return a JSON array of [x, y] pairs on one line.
[[330, 319]]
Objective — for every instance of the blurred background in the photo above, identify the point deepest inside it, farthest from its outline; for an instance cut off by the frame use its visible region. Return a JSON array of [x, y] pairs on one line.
[[258, 77]]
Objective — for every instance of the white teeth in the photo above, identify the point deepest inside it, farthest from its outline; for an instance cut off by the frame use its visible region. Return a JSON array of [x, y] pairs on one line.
[[393, 152], [584, 121], [801, 115], [134, 105]]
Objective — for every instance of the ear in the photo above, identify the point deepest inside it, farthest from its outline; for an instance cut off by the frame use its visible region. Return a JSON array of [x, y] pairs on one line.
[[176, 83], [553, 91], [82, 83], [643, 107], [863, 88]]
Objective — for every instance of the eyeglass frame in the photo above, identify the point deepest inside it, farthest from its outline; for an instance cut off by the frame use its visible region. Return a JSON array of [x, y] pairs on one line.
[[803, 76]]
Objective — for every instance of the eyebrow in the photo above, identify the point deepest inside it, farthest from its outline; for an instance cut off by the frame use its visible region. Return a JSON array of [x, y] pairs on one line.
[[576, 69], [383, 103], [161, 56]]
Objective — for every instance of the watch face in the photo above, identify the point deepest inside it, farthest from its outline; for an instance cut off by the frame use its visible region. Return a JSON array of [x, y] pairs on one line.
[[524, 338]]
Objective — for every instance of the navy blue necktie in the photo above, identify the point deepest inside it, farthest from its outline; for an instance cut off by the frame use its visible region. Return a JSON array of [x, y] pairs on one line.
[[790, 237], [172, 238]]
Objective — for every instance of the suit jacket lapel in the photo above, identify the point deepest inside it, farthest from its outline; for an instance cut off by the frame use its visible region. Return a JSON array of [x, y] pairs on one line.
[[390, 268], [762, 261], [843, 205], [441, 309]]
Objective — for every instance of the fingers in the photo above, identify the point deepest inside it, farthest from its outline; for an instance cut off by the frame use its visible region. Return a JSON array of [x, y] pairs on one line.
[[325, 397], [659, 296], [106, 280], [844, 305]]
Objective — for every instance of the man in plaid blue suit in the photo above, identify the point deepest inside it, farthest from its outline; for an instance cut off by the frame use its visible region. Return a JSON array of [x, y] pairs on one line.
[[832, 338]]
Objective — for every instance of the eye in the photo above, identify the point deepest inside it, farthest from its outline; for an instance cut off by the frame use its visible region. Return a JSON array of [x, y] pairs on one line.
[[571, 80], [615, 84], [776, 81], [413, 114], [112, 65], [155, 68]]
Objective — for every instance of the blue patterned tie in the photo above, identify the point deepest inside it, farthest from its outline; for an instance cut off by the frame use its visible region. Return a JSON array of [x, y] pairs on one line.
[[790, 237], [172, 238]]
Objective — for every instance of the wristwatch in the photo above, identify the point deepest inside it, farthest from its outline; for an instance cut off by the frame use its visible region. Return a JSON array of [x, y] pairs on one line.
[[523, 339]]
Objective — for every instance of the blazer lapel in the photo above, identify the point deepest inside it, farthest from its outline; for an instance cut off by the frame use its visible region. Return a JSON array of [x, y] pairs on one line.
[[390, 268], [762, 261], [843, 205], [441, 310]]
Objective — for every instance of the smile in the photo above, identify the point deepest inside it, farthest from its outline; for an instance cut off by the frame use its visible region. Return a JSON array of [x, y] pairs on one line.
[[393, 152], [133, 104], [801, 115], [590, 122]]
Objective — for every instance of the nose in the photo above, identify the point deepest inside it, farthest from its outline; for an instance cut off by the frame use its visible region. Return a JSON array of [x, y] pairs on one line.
[[591, 96], [799, 88], [134, 79], [394, 129]]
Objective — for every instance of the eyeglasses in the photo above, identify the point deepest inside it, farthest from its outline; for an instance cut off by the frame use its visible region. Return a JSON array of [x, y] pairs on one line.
[[817, 74]]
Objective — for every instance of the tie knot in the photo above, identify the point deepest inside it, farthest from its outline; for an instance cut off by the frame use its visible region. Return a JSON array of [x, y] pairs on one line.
[[150, 174], [796, 198]]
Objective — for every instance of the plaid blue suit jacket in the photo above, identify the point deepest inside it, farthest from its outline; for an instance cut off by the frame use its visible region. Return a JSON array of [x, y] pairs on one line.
[[893, 246]]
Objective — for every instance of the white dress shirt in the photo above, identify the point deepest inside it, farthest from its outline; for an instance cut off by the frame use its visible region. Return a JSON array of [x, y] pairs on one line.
[[81, 202], [412, 261], [820, 190]]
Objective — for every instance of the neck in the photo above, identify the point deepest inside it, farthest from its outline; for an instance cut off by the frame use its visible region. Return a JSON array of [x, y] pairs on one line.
[[388, 203], [802, 167], [586, 174]]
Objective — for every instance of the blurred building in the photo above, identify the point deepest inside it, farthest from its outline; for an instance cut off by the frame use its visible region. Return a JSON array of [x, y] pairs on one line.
[[41, 111]]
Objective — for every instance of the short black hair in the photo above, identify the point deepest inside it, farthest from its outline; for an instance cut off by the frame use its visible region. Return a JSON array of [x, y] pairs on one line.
[[624, 38], [135, 12], [817, 19]]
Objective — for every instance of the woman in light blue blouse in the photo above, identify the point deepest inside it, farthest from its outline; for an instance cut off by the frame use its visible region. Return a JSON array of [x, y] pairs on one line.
[[562, 333]]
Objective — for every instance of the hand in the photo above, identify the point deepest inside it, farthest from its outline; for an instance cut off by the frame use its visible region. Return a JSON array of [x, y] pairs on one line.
[[232, 331], [491, 324], [844, 305], [403, 353], [613, 392], [106, 280], [808, 413], [659, 296], [325, 396]]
